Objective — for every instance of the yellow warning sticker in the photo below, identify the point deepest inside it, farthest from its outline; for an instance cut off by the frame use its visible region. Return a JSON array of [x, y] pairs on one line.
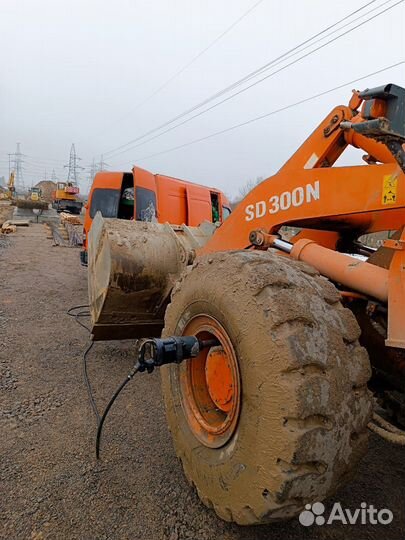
[[389, 192]]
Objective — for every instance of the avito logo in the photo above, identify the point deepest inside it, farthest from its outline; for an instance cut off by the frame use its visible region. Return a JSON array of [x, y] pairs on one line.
[[315, 514]]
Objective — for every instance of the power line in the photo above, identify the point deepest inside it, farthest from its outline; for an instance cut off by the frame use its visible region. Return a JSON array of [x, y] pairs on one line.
[[190, 62], [37, 169], [298, 48], [271, 113], [40, 164], [39, 159], [257, 82], [263, 79], [266, 66]]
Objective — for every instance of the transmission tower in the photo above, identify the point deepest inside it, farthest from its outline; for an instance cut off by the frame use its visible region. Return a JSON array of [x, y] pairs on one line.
[[94, 169], [53, 177], [17, 161], [91, 175], [102, 165], [73, 166]]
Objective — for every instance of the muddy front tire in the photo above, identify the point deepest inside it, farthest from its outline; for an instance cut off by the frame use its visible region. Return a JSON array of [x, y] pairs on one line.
[[298, 389]]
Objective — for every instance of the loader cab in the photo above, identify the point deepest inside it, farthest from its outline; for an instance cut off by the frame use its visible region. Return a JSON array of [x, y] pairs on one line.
[[126, 201], [180, 201], [146, 195], [146, 206], [104, 197], [143, 196], [35, 193], [115, 195], [104, 200], [226, 209], [122, 196], [137, 201], [220, 207], [215, 207]]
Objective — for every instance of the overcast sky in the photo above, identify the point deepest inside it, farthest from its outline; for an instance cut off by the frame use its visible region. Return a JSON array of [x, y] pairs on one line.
[[77, 70]]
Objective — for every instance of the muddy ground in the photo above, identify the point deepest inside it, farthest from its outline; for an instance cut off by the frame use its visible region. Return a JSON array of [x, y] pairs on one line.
[[50, 483]]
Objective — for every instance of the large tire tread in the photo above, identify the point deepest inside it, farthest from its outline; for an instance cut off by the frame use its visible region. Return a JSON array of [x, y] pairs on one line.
[[324, 379]]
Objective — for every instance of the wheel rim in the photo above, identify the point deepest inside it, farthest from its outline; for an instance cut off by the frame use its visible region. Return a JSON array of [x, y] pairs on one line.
[[210, 385]]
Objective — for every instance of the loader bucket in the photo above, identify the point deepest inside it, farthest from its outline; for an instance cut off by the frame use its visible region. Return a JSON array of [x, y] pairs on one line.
[[133, 266]]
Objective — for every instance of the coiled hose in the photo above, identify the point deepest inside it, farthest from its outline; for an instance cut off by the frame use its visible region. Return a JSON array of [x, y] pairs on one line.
[[386, 430]]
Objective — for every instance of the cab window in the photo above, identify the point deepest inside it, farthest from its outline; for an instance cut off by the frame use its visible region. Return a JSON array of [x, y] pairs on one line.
[[226, 212], [214, 206], [126, 205], [145, 200], [105, 201]]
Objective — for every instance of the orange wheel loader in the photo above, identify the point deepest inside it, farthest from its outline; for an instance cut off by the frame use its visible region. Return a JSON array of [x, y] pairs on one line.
[[277, 352]]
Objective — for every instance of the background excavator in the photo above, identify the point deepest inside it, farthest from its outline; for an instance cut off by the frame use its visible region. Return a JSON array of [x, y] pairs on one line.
[[10, 188], [281, 355]]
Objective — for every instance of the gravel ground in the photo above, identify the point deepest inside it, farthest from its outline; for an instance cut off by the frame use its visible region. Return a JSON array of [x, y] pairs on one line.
[[51, 484]]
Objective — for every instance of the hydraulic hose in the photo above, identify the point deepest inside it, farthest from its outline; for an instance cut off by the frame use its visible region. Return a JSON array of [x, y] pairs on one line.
[[110, 404]]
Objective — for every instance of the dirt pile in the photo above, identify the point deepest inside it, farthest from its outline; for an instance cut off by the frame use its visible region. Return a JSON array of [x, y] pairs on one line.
[[6, 212], [23, 203], [46, 186]]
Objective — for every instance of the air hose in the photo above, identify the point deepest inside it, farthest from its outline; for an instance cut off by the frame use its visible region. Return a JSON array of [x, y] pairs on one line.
[[150, 353], [153, 353]]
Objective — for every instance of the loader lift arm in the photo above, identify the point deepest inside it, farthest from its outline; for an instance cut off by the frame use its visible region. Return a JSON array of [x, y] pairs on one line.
[[308, 190], [348, 201]]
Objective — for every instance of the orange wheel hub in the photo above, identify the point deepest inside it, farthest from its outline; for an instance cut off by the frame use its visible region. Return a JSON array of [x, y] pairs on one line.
[[218, 374], [210, 385]]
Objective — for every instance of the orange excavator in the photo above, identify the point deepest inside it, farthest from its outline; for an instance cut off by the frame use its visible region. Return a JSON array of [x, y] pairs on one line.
[[278, 355]]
